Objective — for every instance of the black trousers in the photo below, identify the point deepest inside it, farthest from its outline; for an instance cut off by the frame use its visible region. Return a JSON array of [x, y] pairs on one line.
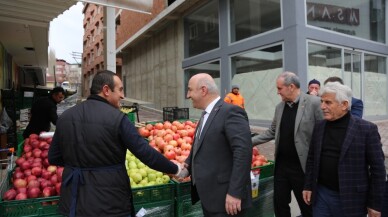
[[289, 179]]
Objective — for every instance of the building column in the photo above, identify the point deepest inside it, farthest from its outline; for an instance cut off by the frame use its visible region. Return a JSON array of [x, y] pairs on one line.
[[109, 39]]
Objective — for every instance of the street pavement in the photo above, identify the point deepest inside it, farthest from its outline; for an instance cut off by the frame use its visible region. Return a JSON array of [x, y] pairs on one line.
[[267, 149]]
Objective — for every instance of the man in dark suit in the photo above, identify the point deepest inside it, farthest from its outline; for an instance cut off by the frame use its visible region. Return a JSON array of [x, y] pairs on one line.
[[292, 127], [357, 107], [345, 174], [220, 159]]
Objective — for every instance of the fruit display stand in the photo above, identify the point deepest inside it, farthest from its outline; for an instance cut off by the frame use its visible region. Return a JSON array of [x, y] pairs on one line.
[[29, 207], [157, 200]]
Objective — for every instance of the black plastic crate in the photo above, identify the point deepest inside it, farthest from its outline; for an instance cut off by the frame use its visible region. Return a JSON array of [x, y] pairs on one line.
[[175, 113], [168, 113]]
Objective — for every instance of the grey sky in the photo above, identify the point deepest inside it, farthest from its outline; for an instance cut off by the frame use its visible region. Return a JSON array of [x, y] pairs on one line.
[[66, 33]]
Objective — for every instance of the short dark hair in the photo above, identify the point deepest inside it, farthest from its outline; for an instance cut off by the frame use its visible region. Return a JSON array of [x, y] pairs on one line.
[[104, 77], [334, 79], [57, 90]]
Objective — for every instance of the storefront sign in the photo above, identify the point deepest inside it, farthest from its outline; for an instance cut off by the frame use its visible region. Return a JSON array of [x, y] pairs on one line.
[[333, 14]]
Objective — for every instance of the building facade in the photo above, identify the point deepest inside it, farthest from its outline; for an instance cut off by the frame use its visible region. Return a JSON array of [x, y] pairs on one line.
[[252, 42], [127, 24]]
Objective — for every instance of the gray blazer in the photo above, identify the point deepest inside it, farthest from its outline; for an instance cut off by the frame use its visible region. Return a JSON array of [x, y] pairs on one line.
[[308, 113]]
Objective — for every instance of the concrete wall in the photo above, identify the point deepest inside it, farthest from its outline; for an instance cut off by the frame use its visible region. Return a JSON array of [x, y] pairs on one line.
[[152, 69]]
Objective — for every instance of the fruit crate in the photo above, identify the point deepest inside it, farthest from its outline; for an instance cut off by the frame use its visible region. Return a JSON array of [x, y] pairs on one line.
[[160, 209], [151, 194], [263, 205], [267, 170], [182, 189], [184, 208], [19, 151], [175, 113], [45, 206], [132, 115]]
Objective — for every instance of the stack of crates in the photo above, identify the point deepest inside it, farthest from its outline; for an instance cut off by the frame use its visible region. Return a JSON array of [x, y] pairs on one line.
[[174, 113]]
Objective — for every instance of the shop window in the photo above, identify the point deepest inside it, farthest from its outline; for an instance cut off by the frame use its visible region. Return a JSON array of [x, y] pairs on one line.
[[201, 29], [252, 17], [256, 72], [360, 18], [323, 61], [375, 85]]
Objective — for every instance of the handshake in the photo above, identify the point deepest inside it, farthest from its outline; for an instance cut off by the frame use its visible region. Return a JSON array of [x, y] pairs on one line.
[[182, 171]]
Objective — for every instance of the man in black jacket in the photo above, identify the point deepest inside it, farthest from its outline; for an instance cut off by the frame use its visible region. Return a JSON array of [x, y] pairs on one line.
[[44, 112], [91, 140]]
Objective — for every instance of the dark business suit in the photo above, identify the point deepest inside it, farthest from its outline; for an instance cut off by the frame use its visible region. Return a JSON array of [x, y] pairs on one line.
[[361, 169], [222, 159]]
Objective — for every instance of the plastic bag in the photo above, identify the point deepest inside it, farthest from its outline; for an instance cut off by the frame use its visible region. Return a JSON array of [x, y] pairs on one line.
[[5, 121]]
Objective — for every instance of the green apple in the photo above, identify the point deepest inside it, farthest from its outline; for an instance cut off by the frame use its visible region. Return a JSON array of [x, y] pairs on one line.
[[159, 181], [144, 181], [159, 174], [132, 165], [166, 178], [136, 177], [141, 165], [151, 177], [143, 173]]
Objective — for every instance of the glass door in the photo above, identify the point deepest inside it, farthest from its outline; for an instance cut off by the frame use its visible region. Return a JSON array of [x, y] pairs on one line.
[[352, 72]]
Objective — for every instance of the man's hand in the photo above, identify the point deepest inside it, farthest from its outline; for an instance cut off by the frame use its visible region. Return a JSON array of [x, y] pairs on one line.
[[232, 205], [373, 213], [182, 172], [307, 197], [314, 93]]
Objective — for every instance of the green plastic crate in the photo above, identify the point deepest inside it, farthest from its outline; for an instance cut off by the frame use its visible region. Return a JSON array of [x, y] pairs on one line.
[[30, 207], [184, 208], [153, 194], [19, 151], [267, 170], [182, 189], [262, 206], [131, 116], [159, 209]]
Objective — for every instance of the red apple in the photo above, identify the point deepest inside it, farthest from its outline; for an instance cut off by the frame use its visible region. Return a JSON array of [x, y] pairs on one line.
[[21, 196], [34, 136], [54, 179], [33, 184], [20, 183], [10, 194], [18, 175], [36, 171], [21, 190], [52, 169], [19, 161], [170, 154], [33, 192], [144, 132], [25, 165]]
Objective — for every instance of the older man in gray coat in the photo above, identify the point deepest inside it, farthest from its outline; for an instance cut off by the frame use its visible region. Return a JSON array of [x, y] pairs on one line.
[[291, 128]]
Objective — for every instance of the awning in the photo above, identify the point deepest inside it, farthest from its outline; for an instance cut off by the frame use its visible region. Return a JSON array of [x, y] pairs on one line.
[[24, 28]]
